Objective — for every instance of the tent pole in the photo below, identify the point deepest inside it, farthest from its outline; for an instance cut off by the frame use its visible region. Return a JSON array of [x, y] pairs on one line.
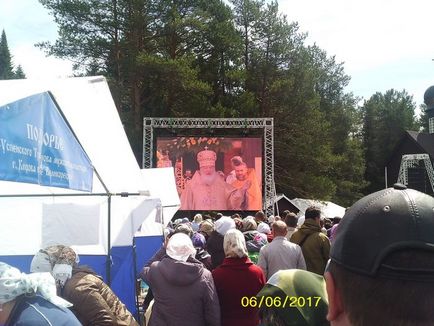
[[122, 194], [385, 175], [138, 287], [108, 261]]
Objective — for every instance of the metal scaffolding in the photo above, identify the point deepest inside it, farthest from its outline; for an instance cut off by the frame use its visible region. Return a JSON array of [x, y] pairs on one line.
[[411, 161], [266, 124]]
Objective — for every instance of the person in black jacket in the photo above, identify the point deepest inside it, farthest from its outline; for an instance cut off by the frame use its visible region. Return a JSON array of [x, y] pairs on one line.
[[201, 254]]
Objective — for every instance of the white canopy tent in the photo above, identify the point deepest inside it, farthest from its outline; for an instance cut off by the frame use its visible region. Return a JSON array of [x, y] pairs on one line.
[[34, 216], [328, 209], [161, 183]]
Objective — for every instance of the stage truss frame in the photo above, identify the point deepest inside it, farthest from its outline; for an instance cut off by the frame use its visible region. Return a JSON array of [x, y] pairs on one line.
[[266, 124], [412, 160]]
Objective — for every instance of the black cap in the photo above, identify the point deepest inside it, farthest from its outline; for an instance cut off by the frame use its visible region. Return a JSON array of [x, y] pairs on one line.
[[381, 223]]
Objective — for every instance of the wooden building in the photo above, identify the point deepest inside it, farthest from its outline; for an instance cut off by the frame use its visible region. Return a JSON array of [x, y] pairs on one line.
[[412, 142]]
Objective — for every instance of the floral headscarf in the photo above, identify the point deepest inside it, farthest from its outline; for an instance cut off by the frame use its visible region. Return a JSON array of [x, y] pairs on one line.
[[13, 283], [249, 224], [234, 244], [206, 227], [61, 258]]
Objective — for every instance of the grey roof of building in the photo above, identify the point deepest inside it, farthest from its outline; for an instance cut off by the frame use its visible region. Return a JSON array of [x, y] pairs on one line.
[[424, 140]]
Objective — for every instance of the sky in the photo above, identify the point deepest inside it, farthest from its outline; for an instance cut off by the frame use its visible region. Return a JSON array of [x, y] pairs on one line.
[[382, 44]]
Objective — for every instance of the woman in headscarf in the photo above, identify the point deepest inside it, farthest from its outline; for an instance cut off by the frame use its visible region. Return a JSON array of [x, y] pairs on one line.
[[249, 228], [254, 239], [184, 292], [265, 229], [202, 255], [196, 222], [299, 297], [214, 244], [235, 279], [94, 302], [161, 253], [205, 228], [30, 299]]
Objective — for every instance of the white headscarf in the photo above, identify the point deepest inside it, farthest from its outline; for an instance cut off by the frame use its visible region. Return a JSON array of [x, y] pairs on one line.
[[180, 247], [234, 244], [13, 283], [224, 224], [263, 228]]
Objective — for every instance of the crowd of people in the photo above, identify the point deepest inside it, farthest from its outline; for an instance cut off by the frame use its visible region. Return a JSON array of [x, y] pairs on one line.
[[255, 270]]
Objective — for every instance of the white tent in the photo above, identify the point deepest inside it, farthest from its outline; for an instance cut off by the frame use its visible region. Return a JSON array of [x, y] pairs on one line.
[[91, 224], [161, 184], [328, 209]]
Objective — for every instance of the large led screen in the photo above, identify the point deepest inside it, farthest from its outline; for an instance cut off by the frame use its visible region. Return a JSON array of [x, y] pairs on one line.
[[214, 173]]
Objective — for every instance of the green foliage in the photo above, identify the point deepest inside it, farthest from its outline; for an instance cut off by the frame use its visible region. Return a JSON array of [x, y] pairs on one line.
[[7, 70], [202, 58], [19, 73], [386, 117], [423, 120], [6, 67]]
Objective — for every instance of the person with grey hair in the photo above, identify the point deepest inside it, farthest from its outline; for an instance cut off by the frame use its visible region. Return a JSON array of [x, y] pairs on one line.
[[237, 278], [30, 299]]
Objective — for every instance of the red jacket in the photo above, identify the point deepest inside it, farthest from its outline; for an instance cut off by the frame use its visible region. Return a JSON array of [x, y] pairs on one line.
[[234, 279]]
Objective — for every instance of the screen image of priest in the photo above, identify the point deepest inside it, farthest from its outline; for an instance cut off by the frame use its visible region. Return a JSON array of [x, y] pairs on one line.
[[214, 173]]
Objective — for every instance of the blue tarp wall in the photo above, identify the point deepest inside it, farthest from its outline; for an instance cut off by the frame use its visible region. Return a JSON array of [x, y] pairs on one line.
[[125, 273], [123, 270]]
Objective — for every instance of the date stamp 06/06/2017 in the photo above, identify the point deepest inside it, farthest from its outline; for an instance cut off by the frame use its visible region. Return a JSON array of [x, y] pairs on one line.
[[280, 302]]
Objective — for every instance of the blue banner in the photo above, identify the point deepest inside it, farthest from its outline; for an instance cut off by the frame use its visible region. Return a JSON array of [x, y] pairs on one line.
[[38, 146]]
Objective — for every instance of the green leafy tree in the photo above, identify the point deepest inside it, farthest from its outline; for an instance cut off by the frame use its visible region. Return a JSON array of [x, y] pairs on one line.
[[317, 153], [106, 37], [192, 58], [174, 87], [6, 67], [247, 16], [275, 43], [423, 120], [385, 118], [218, 57], [303, 151]]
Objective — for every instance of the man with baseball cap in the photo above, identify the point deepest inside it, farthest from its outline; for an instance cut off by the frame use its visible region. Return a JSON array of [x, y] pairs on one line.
[[384, 274]]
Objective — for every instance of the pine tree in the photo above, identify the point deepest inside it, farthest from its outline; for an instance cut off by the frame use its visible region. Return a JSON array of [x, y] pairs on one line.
[[385, 119], [19, 73], [6, 68]]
